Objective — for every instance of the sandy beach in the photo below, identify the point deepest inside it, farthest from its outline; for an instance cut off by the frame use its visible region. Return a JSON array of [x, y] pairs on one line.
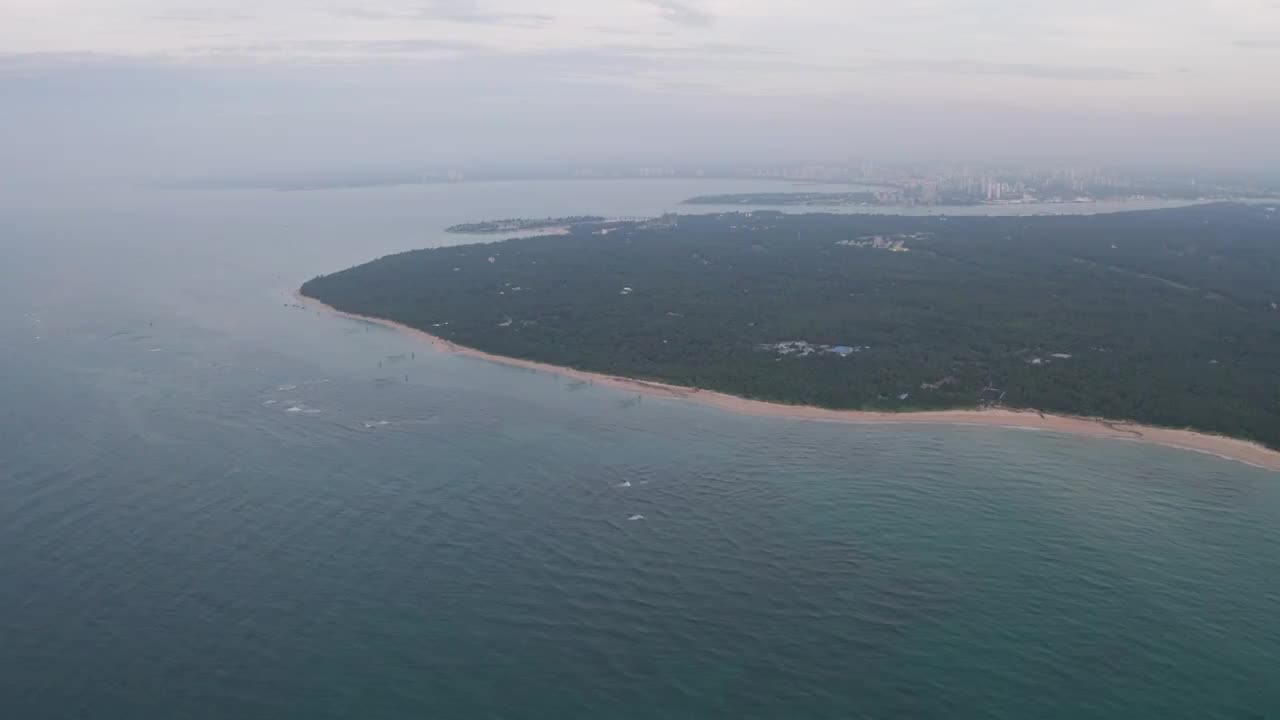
[[1228, 448]]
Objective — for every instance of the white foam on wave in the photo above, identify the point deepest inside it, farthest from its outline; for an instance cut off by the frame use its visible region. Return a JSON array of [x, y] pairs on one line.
[[155, 350], [285, 388], [636, 517], [377, 423], [302, 409], [625, 483], [270, 402]]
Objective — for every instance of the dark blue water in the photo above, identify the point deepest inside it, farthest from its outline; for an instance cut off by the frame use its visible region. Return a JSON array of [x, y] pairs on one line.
[[214, 505]]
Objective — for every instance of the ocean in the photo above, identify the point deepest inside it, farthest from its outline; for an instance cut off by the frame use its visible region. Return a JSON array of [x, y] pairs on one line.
[[215, 503]]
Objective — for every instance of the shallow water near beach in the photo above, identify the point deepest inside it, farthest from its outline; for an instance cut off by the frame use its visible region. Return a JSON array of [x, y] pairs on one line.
[[214, 503]]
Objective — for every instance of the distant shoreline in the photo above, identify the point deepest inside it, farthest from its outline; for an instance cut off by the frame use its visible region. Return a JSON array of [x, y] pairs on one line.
[[1221, 446], [550, 225]]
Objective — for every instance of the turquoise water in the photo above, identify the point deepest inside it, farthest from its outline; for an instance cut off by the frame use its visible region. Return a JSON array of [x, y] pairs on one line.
[[214, 505]]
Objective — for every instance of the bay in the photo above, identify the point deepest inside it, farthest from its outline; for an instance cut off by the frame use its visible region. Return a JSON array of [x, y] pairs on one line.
[[216, 504]]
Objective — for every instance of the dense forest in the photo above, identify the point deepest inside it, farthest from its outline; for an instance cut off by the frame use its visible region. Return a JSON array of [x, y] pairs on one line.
[[1167, 317]]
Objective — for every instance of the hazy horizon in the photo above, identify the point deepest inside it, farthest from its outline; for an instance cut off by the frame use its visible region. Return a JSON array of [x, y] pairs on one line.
[[195, 88], [922, 360]]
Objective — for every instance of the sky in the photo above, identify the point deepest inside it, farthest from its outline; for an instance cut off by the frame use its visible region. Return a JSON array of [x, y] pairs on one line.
[[181, 88]]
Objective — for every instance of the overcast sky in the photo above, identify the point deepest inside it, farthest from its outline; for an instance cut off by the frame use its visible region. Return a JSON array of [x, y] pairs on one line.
[[187, 86]]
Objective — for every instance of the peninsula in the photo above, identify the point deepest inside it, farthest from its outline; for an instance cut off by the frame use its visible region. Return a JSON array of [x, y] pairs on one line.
[[821, 199], [509, 225], [1167, 318]]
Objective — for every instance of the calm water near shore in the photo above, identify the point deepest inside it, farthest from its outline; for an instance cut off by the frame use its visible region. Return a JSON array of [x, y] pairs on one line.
[[214, 504]]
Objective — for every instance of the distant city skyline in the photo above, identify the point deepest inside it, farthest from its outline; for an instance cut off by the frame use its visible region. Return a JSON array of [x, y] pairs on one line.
[[168, 88], [875, 182]]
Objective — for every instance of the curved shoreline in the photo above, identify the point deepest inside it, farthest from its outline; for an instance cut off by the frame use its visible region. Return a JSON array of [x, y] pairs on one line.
[[1227, 448]]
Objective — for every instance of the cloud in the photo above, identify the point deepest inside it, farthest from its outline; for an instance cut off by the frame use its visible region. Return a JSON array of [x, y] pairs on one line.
[[468, 11], [1258, 44], [43, 62], [458, 11], [607, 30], [683, 12], [631, 65], [1026, 70], [506, 54], [706, 49], [413, 45], [204, 15], [723, 48], [338, 49]]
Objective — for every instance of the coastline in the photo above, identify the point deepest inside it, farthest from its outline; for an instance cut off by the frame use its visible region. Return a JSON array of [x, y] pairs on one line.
[[1227, 448]]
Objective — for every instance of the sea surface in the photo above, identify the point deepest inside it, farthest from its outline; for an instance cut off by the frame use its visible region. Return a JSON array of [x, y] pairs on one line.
[[216, 504]]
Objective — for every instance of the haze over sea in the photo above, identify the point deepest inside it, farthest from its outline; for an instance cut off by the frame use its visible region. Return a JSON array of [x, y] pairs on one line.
[[215, 504]]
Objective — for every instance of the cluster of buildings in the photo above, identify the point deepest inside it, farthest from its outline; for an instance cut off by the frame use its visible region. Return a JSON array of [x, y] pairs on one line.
[[803, 348], [1051, 358], [906, 183], [892, 243], [447, 175]]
